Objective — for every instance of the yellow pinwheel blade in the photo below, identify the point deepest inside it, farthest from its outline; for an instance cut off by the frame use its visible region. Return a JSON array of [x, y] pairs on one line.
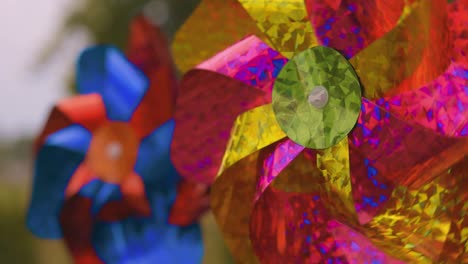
[[252, 131], [415, 52], [334, 165], [285, 24], [232, 196], [213, 26], [235, 190], [430, 220]]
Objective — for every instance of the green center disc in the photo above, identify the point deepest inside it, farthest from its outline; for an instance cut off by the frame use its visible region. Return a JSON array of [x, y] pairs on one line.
[[317, 98]]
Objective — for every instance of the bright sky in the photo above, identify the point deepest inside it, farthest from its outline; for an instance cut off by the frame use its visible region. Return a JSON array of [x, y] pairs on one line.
[[28, 93]]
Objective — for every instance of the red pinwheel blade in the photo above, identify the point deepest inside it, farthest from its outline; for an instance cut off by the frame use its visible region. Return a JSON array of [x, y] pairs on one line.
[[82, 176], [350, 26], [149, 51], [191, 202], [250, 61], [70, 111], [207, 107], [230, 83], [134, 201], [458, 21], [77, 224], [386, 152], [441, 105], [300, 229]]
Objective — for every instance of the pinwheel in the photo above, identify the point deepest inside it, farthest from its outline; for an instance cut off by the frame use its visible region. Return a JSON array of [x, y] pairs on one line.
[[337, 134], [103, 177]]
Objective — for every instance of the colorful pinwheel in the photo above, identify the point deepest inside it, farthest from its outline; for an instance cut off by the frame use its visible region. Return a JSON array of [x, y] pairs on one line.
[[103, 176], [307, 170]]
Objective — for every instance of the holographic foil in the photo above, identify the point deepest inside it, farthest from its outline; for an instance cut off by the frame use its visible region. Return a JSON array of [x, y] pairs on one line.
[[214, 25], [403, 59], [396, 194], [303, 122], [250, 61], [207, 107], [285, 152], [284, 22], [232, 196], [380, 141], [350, 26], [304, 226], [441, 105], [252, 131], [426, 224], [212, 96], [458, 21]]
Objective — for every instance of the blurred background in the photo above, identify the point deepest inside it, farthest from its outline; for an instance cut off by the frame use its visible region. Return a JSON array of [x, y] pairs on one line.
[[40, 41]]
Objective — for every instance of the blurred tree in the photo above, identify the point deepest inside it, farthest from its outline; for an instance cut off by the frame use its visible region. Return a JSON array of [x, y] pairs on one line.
[[107, 21]]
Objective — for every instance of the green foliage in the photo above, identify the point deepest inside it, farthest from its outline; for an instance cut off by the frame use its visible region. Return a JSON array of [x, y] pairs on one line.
[[16, 245], [107, 21]]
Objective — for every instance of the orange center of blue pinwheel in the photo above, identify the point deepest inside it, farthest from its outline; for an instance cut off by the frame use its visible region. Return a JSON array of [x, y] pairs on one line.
[[113, 152]]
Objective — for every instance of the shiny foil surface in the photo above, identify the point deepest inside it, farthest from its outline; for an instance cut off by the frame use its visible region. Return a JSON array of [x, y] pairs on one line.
[[214, 25], [393, 190], [212, 96], [284, 23], [403, 59], [349, 25], [327, 71]]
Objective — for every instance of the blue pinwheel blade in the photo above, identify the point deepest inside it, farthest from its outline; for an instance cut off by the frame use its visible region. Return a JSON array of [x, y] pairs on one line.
[[142, 241], [106, 71], [74, 138], [154, 164], [147, 240], [100, 193], [155, 168], [57, 160]]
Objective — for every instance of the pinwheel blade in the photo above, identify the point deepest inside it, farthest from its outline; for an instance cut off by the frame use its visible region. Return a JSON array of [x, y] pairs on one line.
[[106, 71], [148, 50], [228, 23], [58, 159], [285, 24], [403, 59], [350, 26], [70, 111]]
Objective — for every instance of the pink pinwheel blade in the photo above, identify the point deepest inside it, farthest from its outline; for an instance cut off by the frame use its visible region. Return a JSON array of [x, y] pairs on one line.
[[207, 107], [250, 61], [350, 26], [386, 151], [441, 105]]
